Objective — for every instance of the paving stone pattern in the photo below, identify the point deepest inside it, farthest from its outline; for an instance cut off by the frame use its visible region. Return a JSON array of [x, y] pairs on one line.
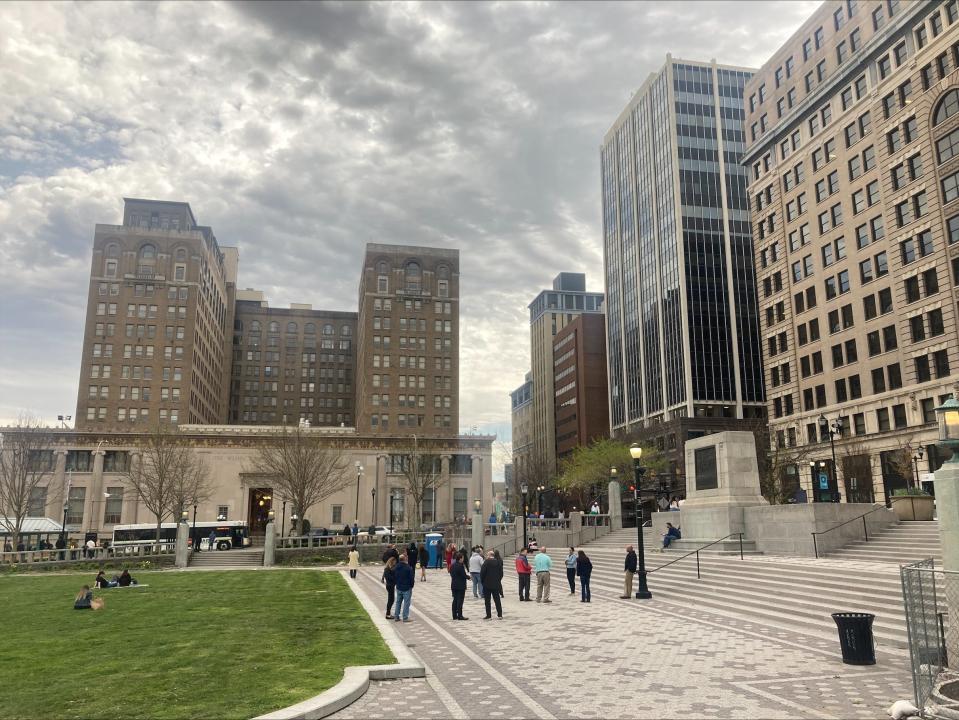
[[616, 658]]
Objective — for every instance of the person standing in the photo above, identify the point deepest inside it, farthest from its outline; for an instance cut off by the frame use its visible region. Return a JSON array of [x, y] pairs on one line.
[[354, 561], [355, 530], [476, 566], [523, 572], [450, 552], [571, 570], [492, 522], [541, 566], [440, 552], [405, 579], [424, 558], [491, 576], [212, 540], [389, 579], [412, 553], [594, 510], [630, 572], [390, 552], [584, 568], [458, 577]]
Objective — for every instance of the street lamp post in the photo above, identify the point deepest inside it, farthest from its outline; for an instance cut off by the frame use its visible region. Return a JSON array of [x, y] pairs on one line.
[[196, 545], [359, 473], [524, 488], [636, 452], [373, 493], [392, 503], [915, 463], [833, 428], [539, 498]]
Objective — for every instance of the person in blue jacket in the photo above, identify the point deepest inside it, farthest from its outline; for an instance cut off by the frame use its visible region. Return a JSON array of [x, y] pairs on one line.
[[672, 533], [405, 579]]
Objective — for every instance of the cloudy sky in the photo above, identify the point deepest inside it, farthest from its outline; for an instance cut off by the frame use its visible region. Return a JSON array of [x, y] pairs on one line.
[[302, 131]]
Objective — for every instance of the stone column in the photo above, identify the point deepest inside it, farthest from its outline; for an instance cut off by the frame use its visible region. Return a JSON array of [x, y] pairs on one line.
[[96, 491], [382, 492], [947, 505], [269, 545], [447, 483], [478, 528], [615, 507], [476, 484], [58, 484], [182, 549]]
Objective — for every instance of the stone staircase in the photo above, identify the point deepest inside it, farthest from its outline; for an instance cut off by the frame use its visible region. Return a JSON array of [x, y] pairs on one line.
[[904, 543], [795, 594], [227, 559]]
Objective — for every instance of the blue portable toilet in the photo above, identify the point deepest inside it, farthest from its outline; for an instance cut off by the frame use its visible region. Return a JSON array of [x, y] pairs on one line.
[[432, 542]]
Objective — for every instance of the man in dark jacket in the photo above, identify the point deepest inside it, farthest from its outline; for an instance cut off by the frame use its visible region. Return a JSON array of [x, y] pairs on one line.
[[411, 554], [440, 552], [390, 552], [458, 578], [491, 575], [630, 572], [405, 579]]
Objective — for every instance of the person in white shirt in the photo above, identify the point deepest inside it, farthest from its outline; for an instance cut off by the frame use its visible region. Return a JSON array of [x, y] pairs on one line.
[[476, 566]]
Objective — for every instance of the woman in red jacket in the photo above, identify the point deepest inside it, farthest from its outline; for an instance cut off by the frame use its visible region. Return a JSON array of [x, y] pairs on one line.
[[450, 552]]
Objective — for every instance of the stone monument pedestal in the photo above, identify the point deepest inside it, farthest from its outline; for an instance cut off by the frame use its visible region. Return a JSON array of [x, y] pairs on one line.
[[722, 478]]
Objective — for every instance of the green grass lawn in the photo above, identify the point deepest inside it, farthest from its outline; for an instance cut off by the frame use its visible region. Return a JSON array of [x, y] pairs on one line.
[[192, 645]]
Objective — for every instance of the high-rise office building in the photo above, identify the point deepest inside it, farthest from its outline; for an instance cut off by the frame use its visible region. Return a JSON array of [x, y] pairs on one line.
[[854, 186], [521, 426], [681, 311], [407, 364], [158, 321], [291, 364], [549, 313], [580, 392]]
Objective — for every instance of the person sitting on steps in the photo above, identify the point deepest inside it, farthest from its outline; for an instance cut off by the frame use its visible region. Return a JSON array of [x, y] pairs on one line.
[[672, 533]]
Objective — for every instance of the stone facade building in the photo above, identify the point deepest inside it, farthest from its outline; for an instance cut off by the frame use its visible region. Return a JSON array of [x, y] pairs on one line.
[[88, 469], [159, 313], [407, 363], [853, 161], [291, 364]]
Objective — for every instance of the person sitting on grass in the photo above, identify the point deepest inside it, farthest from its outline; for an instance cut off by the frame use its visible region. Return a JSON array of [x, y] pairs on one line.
[[672, 533], [102, 582], [125, 580], [84, 599]]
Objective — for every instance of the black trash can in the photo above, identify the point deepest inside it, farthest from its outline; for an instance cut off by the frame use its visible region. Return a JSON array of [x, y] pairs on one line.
[[855, 637]]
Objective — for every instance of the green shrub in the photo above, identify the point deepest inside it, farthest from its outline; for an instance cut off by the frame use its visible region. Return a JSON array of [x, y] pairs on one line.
[[906, 492]]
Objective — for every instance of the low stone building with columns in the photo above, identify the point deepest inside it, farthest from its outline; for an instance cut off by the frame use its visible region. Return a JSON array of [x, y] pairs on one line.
[[87, 469]]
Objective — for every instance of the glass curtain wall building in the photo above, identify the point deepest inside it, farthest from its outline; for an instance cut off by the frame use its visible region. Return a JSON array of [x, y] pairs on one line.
[[682, 330]]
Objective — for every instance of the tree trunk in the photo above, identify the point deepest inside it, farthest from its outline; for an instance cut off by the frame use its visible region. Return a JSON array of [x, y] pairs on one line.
[[159, 527]]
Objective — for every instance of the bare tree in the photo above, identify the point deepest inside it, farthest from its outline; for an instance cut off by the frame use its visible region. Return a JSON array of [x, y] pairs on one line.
[[779, 469], [166, 463], [303, 467], [852, 459], [422, 477], [25, 461], [191, 488]]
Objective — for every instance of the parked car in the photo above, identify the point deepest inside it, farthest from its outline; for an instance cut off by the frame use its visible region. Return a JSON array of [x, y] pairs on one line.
[[378, 531]]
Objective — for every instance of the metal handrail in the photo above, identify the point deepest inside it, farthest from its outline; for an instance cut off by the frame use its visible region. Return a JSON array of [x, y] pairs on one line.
[[696, 553], [862, 517]]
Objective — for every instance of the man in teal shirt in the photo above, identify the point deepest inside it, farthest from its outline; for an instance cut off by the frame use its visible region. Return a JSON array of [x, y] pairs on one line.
[[541, 566]]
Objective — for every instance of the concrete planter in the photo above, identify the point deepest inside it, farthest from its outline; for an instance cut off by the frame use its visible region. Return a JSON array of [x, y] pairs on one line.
[[914, 507]]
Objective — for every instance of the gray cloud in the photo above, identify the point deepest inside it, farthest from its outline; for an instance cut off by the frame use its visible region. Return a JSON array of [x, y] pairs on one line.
[[301, 131]]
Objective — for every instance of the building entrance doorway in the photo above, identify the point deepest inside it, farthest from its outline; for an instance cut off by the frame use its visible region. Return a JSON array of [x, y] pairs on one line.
[[261, 502]]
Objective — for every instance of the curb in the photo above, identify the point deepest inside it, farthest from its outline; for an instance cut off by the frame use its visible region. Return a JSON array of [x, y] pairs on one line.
[[356, 680]]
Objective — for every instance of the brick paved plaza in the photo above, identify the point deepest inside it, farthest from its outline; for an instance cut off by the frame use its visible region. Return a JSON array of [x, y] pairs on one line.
[[619, 659]]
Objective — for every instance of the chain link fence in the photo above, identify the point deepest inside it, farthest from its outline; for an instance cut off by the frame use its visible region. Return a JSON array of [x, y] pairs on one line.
[[927, 595]]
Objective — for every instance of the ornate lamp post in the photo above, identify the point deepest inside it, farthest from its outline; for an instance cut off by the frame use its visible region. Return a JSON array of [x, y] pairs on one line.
[[359, 474], [373, 493], [833, 428], [636, 452], [539, 498], [283, 521], [915, 464], [524, 488]]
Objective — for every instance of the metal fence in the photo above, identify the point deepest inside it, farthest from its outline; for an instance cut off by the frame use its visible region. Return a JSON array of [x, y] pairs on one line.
[[927, 594]]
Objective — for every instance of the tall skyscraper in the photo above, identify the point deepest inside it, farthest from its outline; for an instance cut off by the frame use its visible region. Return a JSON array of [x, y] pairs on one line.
[[408, 382], [854, 184], [682, 332], [291, 364], [580, 391], [159, 313], [549, 313]]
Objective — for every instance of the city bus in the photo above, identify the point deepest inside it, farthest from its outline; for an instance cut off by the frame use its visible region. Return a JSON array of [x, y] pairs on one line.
[[229, 534]]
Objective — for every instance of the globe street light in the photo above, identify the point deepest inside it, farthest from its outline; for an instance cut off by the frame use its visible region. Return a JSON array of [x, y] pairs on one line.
[[636, 452]]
